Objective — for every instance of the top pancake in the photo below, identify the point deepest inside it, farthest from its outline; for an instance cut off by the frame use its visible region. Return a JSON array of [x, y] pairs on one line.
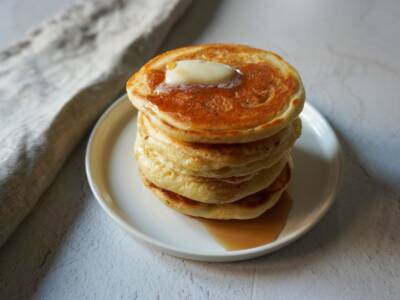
[[268, 96]]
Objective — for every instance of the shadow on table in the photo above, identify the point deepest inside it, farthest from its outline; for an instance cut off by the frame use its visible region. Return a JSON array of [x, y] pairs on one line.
[[28, 254], [190, 28]]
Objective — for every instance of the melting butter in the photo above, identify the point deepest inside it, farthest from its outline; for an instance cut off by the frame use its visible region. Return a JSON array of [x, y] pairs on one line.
[[198, 72]]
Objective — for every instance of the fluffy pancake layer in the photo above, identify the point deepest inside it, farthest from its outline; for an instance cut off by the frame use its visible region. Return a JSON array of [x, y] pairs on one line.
[[218, 160], [269, 96], [161, 172], [248, 207]]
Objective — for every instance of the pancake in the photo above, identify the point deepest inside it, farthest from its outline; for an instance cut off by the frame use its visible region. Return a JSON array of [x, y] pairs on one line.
[[160, 172], [268, 97], [218, 160], [246, 208]]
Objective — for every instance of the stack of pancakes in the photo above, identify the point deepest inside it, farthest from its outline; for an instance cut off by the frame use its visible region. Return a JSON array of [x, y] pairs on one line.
[[218, 151]]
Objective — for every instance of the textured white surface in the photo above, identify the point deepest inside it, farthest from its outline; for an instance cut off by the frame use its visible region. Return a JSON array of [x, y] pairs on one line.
[[348, 55]]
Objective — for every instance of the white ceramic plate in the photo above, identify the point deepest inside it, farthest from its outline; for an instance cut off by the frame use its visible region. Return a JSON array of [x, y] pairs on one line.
[[114, 180]]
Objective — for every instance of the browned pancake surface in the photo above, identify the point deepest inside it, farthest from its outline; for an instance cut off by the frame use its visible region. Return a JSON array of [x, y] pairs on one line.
[[263, 93], [254, 200]]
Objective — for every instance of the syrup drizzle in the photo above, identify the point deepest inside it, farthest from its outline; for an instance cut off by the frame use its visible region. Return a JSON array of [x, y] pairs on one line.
[[245, 234]]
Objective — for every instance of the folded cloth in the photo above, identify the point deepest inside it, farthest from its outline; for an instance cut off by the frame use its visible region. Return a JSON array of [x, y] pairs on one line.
[[56, 82]]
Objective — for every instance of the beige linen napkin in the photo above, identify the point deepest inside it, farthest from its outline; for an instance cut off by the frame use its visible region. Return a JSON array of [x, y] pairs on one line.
[[56, 82]]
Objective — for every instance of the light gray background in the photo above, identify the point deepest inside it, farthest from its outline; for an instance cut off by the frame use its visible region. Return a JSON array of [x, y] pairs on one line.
[[348, 55]]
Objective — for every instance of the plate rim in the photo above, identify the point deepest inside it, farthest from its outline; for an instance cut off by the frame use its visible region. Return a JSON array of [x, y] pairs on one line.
[[214, 256]]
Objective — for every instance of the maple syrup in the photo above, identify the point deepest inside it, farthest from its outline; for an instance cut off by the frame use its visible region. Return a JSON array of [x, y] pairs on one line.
[[245, 234]]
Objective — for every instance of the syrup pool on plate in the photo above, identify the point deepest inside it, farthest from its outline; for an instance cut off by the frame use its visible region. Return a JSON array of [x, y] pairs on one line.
[[245, 234]]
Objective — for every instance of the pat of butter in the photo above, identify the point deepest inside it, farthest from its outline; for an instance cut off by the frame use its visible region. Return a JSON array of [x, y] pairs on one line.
[[198, 72]]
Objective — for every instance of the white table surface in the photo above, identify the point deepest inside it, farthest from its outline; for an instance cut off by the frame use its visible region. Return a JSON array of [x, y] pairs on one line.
[[348, 53]]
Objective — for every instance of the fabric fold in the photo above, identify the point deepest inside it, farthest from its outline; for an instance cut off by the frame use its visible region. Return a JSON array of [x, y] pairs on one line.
[[57, 82]]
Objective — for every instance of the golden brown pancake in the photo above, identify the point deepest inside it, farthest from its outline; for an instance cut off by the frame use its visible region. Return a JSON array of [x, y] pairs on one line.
[[218, 160], [162, 173], [246, 208], [268, 97]]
